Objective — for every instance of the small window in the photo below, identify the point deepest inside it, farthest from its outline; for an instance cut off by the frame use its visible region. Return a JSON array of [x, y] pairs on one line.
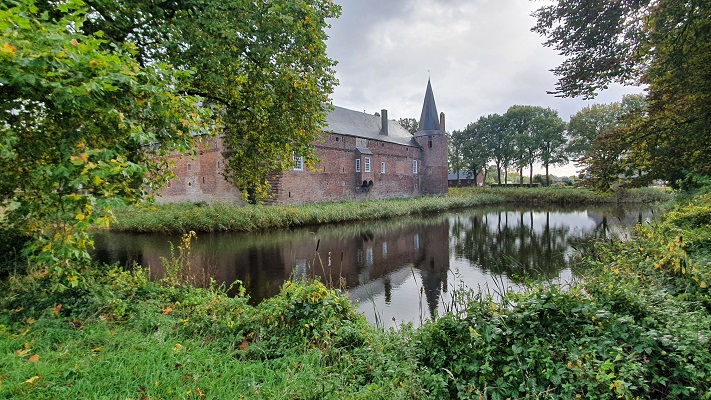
[[367, 164], [429, 142], [190, 167], [357, 164], [298, 163], [382, 167], [414, 167], [361, 142]]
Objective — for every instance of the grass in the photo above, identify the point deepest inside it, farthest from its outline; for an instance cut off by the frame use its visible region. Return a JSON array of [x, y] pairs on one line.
[[637, 326], [185, 217]]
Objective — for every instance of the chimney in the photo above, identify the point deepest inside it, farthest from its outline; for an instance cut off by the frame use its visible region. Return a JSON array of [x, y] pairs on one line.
[[384, 122], [441, 122]]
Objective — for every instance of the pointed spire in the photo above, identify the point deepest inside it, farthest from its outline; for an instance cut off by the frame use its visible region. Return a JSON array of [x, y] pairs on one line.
[[429, 119]]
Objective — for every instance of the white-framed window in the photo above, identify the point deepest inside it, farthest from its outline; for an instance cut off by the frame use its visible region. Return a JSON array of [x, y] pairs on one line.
[[367, 164], [357, 164], [382, 167], [298, 163], [414, 167]]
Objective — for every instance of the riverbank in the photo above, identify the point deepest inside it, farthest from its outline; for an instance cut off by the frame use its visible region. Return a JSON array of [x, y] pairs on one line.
[[180, 218], [637, 326]]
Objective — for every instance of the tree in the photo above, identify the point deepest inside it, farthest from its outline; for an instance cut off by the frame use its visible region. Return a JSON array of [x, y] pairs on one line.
[[551, 136], [475, 149], [664, 44], [520, 121], [261, 64], [494, 141], [83, 127], [589, 128], [410, 124]]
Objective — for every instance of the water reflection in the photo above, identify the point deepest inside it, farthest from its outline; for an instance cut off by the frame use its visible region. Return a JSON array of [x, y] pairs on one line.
[[396, 271]]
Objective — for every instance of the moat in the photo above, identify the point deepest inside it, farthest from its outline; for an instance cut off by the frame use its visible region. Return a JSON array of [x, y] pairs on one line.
[[395, 271]]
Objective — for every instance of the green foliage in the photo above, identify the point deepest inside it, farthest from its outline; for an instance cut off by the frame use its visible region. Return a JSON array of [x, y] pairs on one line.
[[261, 64], [411, 124], [637, 326], [183, 342], [520, 137], [177, 267], [665, 45], [304, 315], [181, 218], [82, 126]]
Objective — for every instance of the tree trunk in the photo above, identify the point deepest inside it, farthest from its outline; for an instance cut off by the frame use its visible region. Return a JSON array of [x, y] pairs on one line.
[[548, 180], [530, 175]]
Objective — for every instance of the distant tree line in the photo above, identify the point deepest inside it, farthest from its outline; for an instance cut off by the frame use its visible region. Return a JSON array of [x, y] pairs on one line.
[[518, 139]]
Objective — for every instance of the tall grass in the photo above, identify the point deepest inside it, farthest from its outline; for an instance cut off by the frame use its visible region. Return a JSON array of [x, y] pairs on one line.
[[187, 217]]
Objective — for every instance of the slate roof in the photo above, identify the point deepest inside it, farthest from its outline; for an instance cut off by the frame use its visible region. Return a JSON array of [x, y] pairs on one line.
[[429, 119], [359, 124]]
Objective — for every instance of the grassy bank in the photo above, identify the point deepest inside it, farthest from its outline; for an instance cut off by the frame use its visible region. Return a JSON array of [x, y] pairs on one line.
[[637, 326], [222, 217]]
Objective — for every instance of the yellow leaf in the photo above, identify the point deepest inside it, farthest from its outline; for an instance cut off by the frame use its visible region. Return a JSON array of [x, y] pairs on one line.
[[21, 353], [703, 285], [34, 358], [74, 42], [96, 349], [32, 380], [8, 49]]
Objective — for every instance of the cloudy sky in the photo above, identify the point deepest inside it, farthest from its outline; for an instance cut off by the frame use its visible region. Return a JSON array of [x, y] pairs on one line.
[[481, 56]]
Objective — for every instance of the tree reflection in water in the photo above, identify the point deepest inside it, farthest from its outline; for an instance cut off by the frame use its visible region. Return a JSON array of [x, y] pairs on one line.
[[394, 270]]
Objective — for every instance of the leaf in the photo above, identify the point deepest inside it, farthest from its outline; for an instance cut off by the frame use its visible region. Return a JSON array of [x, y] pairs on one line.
[[56, 309], [22, 352], [8, 49], [33, 380], [167, 310], [33, 358]]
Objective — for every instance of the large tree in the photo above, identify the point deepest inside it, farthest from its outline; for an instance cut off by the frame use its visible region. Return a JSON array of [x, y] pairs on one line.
[[495, 139], [94, 94], [664, 44], [550, 133], [590, 127], [83, 126], [261, 63], [519, 120]]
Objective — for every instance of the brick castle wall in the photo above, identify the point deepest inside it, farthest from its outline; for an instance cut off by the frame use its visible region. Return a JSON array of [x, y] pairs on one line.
[[335, 177], [199, 178]]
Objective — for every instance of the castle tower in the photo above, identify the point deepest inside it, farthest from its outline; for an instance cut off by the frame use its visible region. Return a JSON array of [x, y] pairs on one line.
[[433, 143]]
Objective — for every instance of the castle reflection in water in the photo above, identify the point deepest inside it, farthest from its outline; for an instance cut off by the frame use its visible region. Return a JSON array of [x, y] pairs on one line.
[[407, 264]]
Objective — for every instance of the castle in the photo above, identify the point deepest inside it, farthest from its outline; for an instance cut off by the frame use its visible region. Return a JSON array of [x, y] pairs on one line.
[[362, 157]]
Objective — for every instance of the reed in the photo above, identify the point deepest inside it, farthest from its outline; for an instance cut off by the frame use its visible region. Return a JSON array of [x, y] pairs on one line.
[[185, 217]]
